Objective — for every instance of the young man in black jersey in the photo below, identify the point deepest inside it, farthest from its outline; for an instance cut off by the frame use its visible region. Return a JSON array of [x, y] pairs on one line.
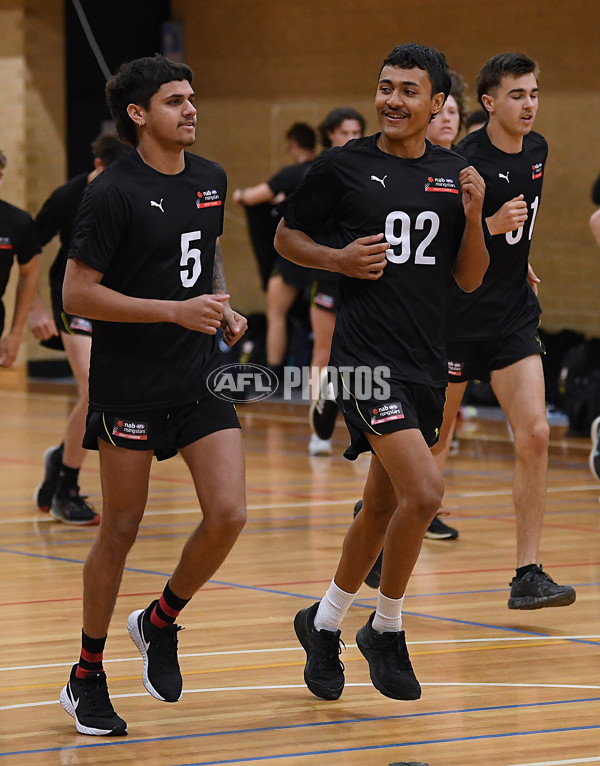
[[492, 333], [146, 266], [18, 239], [58, 492], [408, 219]]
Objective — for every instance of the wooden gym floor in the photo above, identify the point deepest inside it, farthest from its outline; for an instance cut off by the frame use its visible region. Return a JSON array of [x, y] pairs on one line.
[[500, 688]]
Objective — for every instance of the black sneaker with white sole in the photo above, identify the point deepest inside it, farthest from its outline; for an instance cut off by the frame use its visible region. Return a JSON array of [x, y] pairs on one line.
[[323, 671], [87, 701], [389, 664], [73, 510], [437, 530], [536, 590], [52, 463], [322, 416], [162, 675]]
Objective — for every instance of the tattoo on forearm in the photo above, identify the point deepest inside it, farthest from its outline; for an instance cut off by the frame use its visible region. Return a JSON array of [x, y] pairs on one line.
[[219, 285]]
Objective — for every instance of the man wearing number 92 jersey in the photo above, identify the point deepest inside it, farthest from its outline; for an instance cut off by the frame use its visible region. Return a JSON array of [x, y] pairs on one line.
[[145, 265], [492, 333], [407, 216]]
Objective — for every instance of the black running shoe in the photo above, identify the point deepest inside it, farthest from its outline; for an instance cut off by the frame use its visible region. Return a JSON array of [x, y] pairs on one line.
[[595, 451], [52, 463], [389, 663], [373, 579], [536, 589], [437, 530], [323, 671], [87, 701], [73, 510], [322, 416], [162, 676]]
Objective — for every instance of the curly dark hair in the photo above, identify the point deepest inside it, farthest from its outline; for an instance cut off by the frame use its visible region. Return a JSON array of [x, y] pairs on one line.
[[135, 83]]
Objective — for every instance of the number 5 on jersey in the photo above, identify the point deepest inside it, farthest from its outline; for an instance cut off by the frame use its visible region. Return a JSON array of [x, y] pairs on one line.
[[191, 265]]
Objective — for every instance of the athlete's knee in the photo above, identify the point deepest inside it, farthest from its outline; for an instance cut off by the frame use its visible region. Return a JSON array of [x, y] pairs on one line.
[[426, 501], [532, 440], [227, 519], [118, 537]]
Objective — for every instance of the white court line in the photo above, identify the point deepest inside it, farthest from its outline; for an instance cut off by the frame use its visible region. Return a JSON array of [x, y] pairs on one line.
[[273, 650], [558, 763], [274, 687], [309, 503]]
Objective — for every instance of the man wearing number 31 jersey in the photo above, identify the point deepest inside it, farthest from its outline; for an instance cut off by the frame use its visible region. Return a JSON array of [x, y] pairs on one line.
[[407, 216], [145, 265], [492, 333]]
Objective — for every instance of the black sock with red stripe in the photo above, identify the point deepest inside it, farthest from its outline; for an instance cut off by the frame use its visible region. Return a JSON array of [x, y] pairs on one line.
[[167, 608], [90, 660]]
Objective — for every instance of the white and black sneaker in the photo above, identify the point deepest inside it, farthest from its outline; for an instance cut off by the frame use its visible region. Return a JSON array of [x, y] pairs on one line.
[[162, 676], [87, 701]]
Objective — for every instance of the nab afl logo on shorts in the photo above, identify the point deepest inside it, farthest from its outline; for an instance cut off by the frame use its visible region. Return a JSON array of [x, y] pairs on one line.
[[242, 383], [455, 368]]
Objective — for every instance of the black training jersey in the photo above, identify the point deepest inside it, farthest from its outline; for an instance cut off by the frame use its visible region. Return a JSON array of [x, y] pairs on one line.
[[151, 235], [505, 301], [17, 239], [289, 178], [398, 320], [57, 216]]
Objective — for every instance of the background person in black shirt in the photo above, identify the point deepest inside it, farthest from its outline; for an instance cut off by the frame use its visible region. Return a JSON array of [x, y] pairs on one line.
[[146, 266], [286, 280], [408, 219], [17, 240], [492, 332], [59, 489], [340, 125]]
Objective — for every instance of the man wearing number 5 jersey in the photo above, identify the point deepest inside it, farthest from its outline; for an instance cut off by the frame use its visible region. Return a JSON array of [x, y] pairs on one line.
[[492, 332], [407, 217], [146, 267]]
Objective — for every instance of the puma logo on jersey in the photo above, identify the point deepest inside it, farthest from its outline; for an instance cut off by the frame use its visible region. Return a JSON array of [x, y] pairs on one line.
[[381, 180], [501, 175], [157, 204]]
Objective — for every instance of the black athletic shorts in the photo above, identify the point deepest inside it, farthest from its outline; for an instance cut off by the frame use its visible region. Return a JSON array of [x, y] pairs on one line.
[[475, 360], [69, 323], [325, 293], [163, 430], [292, 274], [409, 405]]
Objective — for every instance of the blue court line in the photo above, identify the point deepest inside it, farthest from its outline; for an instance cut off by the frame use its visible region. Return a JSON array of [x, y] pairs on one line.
[[276, 592], [320, 724]]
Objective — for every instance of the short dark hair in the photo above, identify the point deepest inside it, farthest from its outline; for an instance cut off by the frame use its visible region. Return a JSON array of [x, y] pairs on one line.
[[477, 117], [335, 118], [431, 60], [135, 83], [106, 147], [494, 69], [3, 160], [303, 135]]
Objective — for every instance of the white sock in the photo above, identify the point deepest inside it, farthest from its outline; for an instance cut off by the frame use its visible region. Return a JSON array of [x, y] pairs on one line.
[[388, 615], [333, 607]]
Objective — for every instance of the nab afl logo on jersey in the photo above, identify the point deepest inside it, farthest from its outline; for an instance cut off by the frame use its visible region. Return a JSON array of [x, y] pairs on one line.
[[208, 198], [536, 170], [441, 185]]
